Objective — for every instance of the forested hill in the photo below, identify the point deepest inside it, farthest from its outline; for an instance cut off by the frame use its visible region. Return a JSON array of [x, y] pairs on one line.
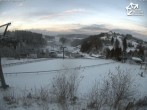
[[114, 45], [28, 38]]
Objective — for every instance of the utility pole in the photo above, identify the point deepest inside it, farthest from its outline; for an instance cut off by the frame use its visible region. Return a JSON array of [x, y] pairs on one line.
[[63, 51], [2, 78]]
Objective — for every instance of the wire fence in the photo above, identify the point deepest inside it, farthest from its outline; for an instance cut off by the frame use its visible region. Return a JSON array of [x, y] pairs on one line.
[[37, 60], [25, 62], [57, 70]]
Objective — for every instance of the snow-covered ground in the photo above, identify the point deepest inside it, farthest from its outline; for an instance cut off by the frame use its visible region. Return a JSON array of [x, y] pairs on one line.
[[90, 73], [12, 60], [7, 61], [90, 70]]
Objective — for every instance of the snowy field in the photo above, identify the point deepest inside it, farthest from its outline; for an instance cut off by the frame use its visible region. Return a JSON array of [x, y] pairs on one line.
[[40, 74], [7, 62], [12, 60]]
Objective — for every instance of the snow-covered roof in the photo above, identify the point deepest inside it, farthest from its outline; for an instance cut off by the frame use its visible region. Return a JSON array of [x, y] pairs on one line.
[[136, 59], [96, 56], [104, 38], [130, 49], [109, 47]]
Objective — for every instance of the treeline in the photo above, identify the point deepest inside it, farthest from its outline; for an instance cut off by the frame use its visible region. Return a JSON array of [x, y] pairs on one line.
[[31, 39], [20, 39], [118, 51], [92, 44]]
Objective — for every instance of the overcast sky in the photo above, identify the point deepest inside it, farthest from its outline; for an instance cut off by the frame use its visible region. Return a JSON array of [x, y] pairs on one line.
[[73, 16]]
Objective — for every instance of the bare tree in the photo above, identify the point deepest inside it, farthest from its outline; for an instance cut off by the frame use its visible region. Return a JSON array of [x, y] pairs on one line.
[[120, 87], [65, 85], [97, 97], [113, 92]]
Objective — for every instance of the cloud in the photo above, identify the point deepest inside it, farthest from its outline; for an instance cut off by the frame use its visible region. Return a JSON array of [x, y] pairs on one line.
[[91, 29], [94, 27], [74, 11], [88, 29], [135, 33], [20, 4], [65, 13]]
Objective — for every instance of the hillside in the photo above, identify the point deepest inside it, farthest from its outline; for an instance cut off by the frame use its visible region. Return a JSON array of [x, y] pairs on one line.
[[114, 45], [73, 36]]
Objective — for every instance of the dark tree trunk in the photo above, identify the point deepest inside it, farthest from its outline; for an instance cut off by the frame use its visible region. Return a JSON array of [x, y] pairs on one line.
[[3, 83]]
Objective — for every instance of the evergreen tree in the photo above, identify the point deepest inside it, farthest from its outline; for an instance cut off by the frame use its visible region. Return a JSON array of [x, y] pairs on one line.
[[116, 45], [92, 43], [85, 47], [117, 53], [124, 44], [141, 51], [112, 41], [112, 53], [63, 40], [108, 53]]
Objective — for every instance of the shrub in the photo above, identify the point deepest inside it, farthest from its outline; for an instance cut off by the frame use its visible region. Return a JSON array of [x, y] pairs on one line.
[[114, 92], [120, 87], [142, 102], [64, 87], [10, 97], [97, 97]]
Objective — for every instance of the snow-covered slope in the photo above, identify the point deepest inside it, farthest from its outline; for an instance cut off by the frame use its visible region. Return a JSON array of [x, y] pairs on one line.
[[91, 70]]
